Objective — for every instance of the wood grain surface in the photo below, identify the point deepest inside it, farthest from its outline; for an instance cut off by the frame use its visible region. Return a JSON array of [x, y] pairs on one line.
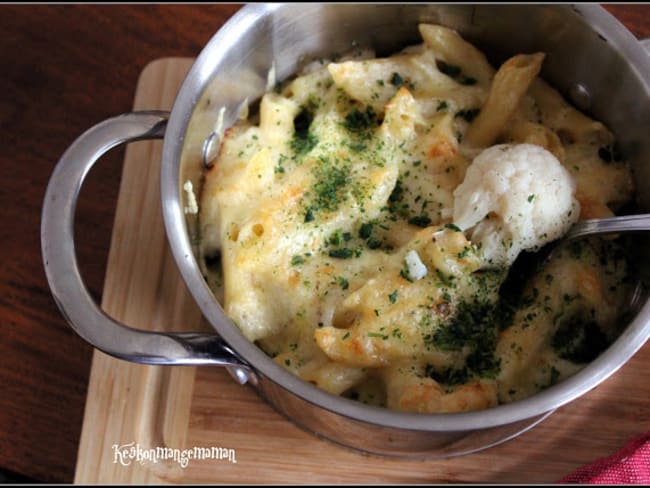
[[65, 68]]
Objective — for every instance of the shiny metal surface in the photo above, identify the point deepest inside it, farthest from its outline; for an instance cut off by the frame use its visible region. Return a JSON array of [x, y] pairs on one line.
[[68, 289], [585, 47], [358, 433], [610, 225]]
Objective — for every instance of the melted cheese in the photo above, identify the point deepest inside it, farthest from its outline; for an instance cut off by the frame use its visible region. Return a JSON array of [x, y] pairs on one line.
[[330, 219]]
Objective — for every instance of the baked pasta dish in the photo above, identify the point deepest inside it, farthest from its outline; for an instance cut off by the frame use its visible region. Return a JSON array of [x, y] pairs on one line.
[[361, 224]]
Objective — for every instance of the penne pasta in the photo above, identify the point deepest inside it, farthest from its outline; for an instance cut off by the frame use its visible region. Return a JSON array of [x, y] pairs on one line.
[[510, 84]]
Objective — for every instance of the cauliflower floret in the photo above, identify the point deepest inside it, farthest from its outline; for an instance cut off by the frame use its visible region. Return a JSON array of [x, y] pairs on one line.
[[514, 197], [414, 265]]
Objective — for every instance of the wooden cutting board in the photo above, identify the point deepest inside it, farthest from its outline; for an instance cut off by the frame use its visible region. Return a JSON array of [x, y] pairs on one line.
[[148, 407]]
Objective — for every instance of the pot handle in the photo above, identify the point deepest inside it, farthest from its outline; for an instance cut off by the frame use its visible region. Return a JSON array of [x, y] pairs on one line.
[[645, 42], [62, 270]]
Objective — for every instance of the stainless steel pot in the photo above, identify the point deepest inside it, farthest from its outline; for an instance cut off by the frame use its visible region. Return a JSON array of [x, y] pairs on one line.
[[591, 58]]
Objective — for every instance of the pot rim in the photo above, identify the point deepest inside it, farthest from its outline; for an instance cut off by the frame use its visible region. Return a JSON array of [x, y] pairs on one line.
[[628, 343]]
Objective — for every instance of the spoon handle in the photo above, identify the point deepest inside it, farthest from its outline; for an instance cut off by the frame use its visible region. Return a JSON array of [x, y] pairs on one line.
[[609, 225]]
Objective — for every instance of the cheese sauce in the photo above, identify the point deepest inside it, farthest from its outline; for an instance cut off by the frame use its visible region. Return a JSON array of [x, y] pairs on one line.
[[327, 232]]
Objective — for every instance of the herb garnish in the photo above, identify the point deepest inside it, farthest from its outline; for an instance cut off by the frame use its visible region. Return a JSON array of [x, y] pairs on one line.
[[474, 325], [579, 340], [455, 72], [469, 114], [328, 189], [420, 220], [343, 283], [341, 253], [393, 296], [365, 231], [453, 227], [357, 121], [377, 334], [396, 79], [303, 140]]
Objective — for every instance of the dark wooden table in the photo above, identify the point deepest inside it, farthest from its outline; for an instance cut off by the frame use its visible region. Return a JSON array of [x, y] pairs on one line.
[[65, 68]]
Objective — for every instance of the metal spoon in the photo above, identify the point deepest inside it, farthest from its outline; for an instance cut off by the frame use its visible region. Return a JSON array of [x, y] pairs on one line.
[[607, 225], [528, 263]]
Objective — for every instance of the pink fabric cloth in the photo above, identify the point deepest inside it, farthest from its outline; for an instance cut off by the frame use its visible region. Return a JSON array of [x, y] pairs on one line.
[[630, 465]]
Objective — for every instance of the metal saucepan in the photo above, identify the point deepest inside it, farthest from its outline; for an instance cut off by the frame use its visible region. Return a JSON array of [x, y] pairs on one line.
[[591, 58]]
